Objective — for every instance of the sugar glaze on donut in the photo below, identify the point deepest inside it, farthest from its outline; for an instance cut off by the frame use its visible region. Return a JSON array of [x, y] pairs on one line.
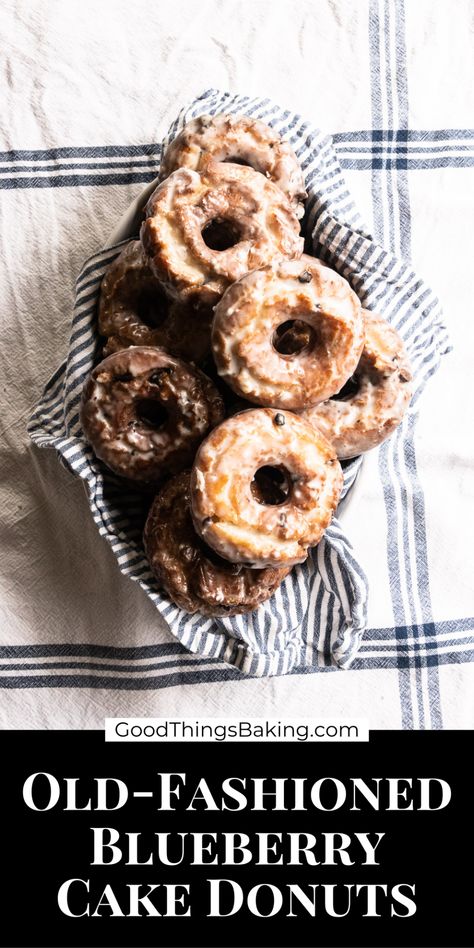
[[144, 413], [206, 229], [194, 576], [251, 359], [372, 404], [234, 513], [240, 140], [135, 311]]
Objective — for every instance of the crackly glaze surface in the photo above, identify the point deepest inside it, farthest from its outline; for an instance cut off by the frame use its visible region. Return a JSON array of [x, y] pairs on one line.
[[193, 575], [144, 413], [257, 215], [227, 512], [381, 392], [134, 310], [249, 315], [243, 140]]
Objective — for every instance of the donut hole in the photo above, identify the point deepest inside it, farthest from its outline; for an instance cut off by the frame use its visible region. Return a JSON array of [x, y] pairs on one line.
[[348, 391], [294, 337], [236, 160], [271, 485], [151, 307], [220, 234], [151, 413]]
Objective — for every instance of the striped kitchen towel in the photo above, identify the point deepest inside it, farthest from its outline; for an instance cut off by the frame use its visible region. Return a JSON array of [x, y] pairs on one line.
[[318, 616]]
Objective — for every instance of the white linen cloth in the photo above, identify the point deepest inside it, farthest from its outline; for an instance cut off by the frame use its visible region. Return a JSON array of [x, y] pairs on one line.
[[81, 78]]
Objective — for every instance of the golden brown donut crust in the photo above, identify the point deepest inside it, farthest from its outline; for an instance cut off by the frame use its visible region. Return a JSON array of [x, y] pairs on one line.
[[135, 311], [196, 578], [247, 320], [375, 400], [248, 211], [144, 413], [227, 511], [240, 140]]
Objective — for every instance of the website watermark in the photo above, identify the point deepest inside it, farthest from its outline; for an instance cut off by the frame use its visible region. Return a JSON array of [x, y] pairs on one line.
[[233, 729]]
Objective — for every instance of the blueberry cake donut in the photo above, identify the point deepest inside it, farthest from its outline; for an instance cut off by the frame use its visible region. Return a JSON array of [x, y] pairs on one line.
[[250, 336], [264, 487], [145, 412], [238, 140], [374, 400], [134, 310], [195, 577], [206, 229]]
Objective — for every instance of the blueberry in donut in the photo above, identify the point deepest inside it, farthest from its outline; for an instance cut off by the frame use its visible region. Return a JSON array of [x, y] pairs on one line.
[[134, 310], [264, 487], [195, 577], [205, 229], [288, 335], [373, 402], [144, 413], [239, 140]]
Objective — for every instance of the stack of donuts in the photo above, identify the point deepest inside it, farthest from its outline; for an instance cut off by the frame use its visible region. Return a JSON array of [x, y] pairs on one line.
[[238, 371]]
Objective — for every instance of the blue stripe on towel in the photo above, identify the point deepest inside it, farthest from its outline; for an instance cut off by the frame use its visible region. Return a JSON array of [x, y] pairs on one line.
[[221, 673], [403, 492], [385, 150], [389, 648]]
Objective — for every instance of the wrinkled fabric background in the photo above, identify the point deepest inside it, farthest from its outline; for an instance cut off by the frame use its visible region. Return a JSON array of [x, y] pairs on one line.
[[80, 74]]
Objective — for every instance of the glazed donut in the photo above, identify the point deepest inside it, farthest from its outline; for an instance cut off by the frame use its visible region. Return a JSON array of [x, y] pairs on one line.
[[253, 358], [234, 509], [372, 403], [144, 413], [205, 229], [193, 575], [135, 311], [242, 141]]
